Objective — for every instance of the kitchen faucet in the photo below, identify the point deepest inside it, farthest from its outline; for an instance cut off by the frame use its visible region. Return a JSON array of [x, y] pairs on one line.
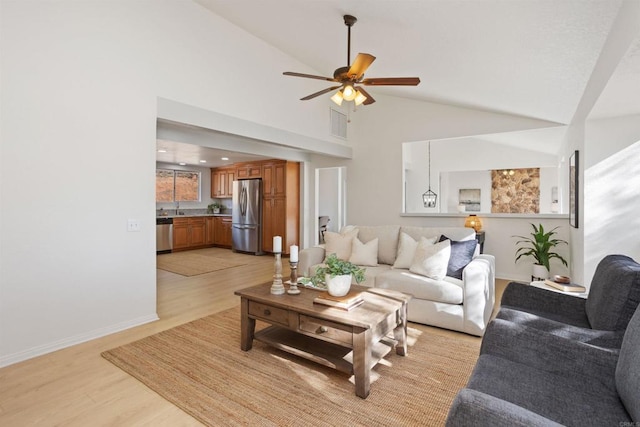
[[177, 207]]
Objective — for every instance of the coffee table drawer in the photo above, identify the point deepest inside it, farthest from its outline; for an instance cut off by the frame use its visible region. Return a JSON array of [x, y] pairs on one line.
[[269, 313], [325, 328]]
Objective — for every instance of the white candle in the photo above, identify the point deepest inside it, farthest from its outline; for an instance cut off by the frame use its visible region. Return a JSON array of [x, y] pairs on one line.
[[277, 244], [293, 253]]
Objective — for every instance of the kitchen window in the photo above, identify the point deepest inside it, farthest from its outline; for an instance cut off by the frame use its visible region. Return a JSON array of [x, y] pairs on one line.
[[177, 186]]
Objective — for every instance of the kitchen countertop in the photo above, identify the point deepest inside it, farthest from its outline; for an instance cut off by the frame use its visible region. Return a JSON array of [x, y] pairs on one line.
[[190, 215]]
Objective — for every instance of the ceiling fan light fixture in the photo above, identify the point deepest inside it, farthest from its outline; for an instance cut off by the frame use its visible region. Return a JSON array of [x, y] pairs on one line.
[[348, 93], [360, 98], [337, 98]]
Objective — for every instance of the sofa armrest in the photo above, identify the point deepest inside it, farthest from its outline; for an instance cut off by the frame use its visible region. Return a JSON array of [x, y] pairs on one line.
[[478, 281], [309, 257], [473, 408]]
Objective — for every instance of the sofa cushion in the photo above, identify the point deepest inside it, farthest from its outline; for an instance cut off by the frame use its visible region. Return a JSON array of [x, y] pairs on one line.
[[447, 290], [461, 254], [387, 236], [565, 399], [628, 368], [431, 260], [406, 250], [614, 293], [365, 254], [339, 243]]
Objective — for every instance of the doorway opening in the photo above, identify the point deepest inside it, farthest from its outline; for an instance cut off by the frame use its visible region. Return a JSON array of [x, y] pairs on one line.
[[330, 201]]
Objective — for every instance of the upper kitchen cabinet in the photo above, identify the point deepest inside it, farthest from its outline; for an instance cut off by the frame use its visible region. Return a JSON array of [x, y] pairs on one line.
[[280, 203], [222, 182], [248, 170]]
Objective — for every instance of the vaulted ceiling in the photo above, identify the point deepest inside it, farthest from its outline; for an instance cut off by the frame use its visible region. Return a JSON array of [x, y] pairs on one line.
[[532, 58], [555, 60]]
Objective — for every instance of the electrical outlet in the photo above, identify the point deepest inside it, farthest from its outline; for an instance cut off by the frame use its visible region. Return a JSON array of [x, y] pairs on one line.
[[133, 225]]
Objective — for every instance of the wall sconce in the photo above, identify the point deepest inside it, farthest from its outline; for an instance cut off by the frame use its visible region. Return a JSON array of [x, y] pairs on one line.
[[474, 222]]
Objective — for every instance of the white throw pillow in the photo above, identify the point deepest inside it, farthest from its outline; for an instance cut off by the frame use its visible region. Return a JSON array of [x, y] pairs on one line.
[[364, 253], [407, 250], [339, 244], [431, 260]]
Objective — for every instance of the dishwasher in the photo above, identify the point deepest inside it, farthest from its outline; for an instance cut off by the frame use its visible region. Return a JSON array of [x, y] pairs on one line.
[[164, 235]]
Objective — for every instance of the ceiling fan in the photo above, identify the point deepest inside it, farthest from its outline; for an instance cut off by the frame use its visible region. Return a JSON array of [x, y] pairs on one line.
[[351, 78]]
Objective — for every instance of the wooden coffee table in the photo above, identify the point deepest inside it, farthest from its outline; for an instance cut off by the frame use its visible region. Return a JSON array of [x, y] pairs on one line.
[[351, 341]]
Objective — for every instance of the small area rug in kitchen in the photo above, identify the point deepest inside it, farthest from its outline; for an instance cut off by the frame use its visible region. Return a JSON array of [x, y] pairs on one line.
[[190, 263], [200, 368]]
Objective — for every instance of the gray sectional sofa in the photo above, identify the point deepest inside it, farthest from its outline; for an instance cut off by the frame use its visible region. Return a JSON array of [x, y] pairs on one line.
[[552, 359]]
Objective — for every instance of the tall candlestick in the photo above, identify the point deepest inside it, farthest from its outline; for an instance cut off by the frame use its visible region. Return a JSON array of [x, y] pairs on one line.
[[293, 288], [277, 288], [293, 253], [277, 244]]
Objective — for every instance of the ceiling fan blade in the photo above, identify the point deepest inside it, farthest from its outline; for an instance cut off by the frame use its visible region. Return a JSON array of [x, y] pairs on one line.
[[313, 95], [309, 76], [360, 65], [369, 99], [392, 81]]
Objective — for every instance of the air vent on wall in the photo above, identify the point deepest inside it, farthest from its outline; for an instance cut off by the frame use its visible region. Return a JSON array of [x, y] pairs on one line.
[[338, 124]]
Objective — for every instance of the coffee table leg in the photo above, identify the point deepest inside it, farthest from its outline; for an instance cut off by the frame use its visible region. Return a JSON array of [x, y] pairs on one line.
[[400, 331], [362, 362], [247, 326]]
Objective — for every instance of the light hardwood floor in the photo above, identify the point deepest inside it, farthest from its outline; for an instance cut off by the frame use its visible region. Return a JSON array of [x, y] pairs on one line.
[[77, 387]]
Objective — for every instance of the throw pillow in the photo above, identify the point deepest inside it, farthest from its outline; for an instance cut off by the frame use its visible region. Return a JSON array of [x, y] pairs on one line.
[[461, 255], [407, 250], [431, 260], [339, 244], [364, 253]]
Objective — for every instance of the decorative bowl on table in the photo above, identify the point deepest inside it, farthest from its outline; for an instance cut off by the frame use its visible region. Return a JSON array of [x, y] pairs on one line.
[[562, 279]]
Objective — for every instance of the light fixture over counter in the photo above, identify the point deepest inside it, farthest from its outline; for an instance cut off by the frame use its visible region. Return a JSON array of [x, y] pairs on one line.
[[429, 198]]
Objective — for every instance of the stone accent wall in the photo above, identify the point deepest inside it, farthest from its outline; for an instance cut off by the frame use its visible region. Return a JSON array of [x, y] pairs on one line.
[[517, 191]]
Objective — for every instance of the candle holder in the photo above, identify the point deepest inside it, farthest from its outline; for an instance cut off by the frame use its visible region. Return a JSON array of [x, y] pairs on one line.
[[293, 288], [277, 288]]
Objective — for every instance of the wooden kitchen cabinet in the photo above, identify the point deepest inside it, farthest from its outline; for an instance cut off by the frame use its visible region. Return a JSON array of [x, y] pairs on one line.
[[222, 182], [222, 231], [210, 229], [248, 170], [280, 204], [189, 233]]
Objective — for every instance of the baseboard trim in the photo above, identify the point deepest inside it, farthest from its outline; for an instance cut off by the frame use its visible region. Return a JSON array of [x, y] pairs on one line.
[[74, 340]]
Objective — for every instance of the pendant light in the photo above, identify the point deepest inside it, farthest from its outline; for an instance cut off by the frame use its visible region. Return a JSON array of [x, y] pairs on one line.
[[429, 197]]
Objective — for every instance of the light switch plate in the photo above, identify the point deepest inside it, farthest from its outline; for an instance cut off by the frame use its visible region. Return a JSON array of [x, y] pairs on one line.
[[133, 225]]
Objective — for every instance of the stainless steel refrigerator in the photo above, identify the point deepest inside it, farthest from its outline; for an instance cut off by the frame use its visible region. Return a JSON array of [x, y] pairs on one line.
[[246, 217]]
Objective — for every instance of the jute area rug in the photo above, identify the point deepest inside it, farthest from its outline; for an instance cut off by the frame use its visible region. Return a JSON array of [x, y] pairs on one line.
[[200, 368], [189, 263]]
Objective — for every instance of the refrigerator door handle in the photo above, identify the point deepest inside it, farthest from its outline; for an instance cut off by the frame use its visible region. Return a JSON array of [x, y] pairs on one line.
[[243, 201]]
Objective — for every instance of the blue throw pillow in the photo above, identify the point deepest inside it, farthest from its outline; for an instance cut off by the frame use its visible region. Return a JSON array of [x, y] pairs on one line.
[[461, 255]]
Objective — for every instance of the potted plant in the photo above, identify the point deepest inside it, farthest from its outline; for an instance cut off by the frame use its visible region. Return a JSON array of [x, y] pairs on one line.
[[337, 274], [539, 246], [215, 207]]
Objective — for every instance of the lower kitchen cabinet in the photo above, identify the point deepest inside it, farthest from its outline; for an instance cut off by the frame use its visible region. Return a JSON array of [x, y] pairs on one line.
[[189, 233], [222, 232]]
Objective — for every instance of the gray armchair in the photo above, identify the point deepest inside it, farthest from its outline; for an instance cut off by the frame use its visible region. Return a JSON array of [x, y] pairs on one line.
[[600, 320]]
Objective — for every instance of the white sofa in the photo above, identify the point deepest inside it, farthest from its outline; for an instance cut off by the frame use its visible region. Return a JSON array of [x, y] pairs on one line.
[[462, 304]]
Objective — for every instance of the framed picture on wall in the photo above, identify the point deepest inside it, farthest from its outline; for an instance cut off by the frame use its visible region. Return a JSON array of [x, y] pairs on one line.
[[574, 166]]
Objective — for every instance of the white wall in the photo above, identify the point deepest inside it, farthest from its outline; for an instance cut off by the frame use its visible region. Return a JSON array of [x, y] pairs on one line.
[[328, 193], [463, 155], [80, 83], [612, 183], [376, 170]]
